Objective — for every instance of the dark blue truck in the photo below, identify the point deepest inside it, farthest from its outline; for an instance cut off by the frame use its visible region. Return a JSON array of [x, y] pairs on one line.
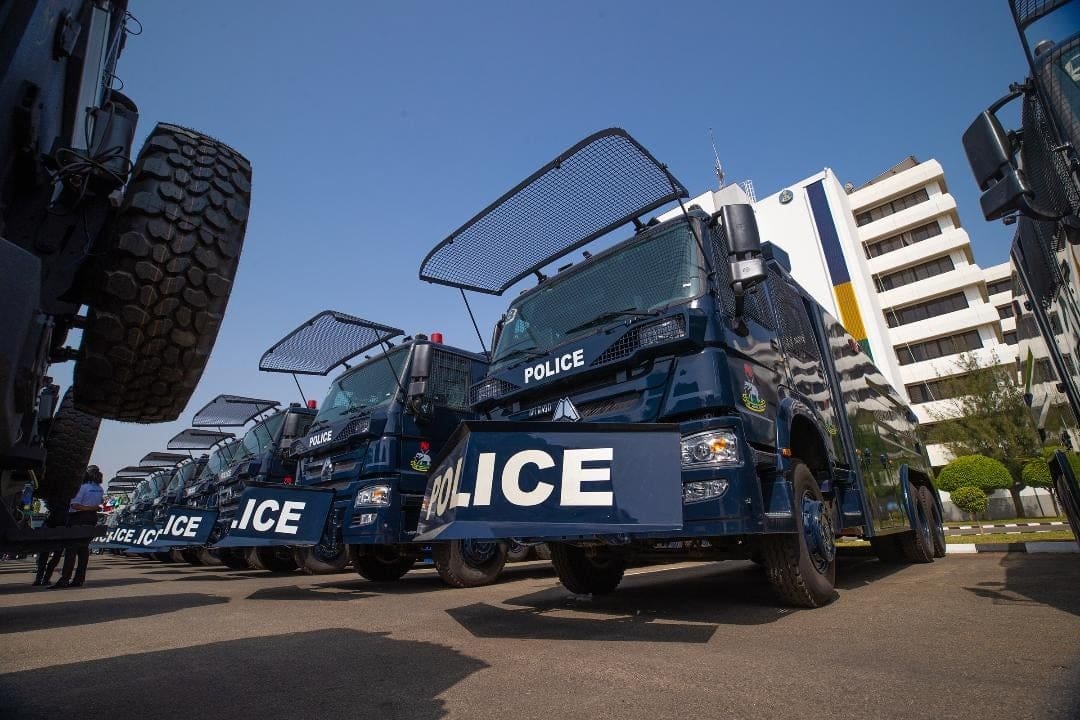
[[261, 457], [674, 396], [364, 463]]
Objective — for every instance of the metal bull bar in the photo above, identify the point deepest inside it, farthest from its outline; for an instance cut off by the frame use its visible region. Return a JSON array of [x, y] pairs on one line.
[[269, 514], [554, 481]]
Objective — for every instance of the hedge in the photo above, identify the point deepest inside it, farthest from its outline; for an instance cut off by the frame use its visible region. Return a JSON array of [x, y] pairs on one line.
[[1036, 474], [969, 499], [976, 471]]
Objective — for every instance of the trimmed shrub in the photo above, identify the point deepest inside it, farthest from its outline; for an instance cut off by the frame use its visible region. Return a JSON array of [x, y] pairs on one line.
[[1036, 474], [977, 471], [969, 499]]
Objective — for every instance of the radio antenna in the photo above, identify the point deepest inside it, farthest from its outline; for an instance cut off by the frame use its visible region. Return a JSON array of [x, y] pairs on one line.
[[716, 156]]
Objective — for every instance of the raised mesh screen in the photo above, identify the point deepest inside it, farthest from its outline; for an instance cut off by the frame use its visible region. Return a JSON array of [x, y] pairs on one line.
[[161, 459], [1046, 170], [324, 342], [230, 411], [1031, 10], [502, 387], [601, 183], [192, 439], [668, 329]]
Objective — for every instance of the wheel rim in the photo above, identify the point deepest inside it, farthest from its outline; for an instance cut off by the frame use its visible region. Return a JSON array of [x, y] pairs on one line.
[[818, 532], [478, 552]]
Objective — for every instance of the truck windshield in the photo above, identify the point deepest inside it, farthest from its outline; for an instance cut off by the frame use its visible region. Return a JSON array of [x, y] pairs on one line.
[[260, 437], [218, 460], [645, 275], [181, 476], [371, 384]]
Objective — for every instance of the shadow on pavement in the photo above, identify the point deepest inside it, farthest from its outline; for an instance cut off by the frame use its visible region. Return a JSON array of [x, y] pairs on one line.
[[1035, 579], [327, 674], [77, 611], [319, 592], [685, 605], [91, 582]]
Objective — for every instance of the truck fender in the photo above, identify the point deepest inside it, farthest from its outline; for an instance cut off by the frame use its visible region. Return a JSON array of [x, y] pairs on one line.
[[788, 411]]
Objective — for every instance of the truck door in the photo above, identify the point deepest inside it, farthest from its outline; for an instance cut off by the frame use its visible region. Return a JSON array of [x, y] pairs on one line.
[[807, 377]]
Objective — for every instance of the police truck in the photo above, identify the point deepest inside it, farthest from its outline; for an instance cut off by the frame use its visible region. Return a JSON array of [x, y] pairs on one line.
[[676, 395]]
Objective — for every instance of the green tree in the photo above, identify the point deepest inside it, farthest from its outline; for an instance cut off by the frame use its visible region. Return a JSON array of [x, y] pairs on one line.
[[985, 414], [969, 499], [977, 471], [1036, 474]]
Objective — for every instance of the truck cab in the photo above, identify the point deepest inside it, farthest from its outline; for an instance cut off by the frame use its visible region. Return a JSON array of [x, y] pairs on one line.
[[369, 449], [677, 395]]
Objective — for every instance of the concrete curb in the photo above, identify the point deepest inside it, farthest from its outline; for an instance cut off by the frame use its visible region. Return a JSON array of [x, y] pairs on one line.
[[1049, 546]]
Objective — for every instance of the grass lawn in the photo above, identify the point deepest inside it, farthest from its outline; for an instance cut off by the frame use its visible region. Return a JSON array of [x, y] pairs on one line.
[[1003, 521], [1010, 537]]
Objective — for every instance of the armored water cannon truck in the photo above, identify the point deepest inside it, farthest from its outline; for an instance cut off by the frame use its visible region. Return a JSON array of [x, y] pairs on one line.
[[260, 458], [364, 463], [191, 511], [1031, 177], [675, 396], [148, 244]]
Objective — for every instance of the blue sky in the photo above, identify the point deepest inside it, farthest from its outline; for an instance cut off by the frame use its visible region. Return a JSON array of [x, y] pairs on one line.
[[376, 128]]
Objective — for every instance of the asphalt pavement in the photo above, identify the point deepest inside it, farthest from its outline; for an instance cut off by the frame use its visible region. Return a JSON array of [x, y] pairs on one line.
[[980, 636]]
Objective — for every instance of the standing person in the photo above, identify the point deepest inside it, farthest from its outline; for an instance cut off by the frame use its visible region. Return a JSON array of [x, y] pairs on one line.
[[82, 511], [47, 560]]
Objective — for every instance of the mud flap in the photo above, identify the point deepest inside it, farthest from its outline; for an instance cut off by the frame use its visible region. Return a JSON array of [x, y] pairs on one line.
[[185, 527], [271, 514], [552, 480]]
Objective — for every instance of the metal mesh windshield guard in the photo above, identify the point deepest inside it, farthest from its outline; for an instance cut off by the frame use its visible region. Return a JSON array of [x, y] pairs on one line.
[[192, 439], [136, 471], [230, 411], [603, 182], [161, 459], [1028, 11], [324, 342]]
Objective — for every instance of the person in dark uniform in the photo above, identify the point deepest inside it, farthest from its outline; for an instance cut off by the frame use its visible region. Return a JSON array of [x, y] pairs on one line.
[[47, 560], [83, 510]]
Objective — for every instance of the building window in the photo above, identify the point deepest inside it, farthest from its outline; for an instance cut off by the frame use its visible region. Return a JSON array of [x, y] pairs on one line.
[[1010, 337], [929, 391], [999, 286], [892, 207], [924, 310], [1005, 311], [940, 347], [904, 239], [915, 273], [1055, 324], [1044, 371]]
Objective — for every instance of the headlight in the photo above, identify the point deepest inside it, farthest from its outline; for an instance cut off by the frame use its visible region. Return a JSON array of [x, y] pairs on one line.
[[716, 448], [701, 491], [372, 495]]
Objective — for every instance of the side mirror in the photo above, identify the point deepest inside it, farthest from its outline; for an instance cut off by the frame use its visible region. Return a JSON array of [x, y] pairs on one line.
[[989, 152], [744, 246], [418, 379]]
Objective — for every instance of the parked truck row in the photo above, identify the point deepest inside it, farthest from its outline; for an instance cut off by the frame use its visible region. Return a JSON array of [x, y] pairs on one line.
[[676, 396]]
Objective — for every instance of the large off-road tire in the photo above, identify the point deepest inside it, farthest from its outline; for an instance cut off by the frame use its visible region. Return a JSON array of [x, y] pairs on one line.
[[68, 446], [469, 563], [177, 556], [917, 545], [233, 559], [158, 290], [542, 551], [1070, 503], [276, 559], [933, 517], [803, 574], [191, 557], [588, 571], [208, 557], [163, 556], [381, 563], [316, 561]]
